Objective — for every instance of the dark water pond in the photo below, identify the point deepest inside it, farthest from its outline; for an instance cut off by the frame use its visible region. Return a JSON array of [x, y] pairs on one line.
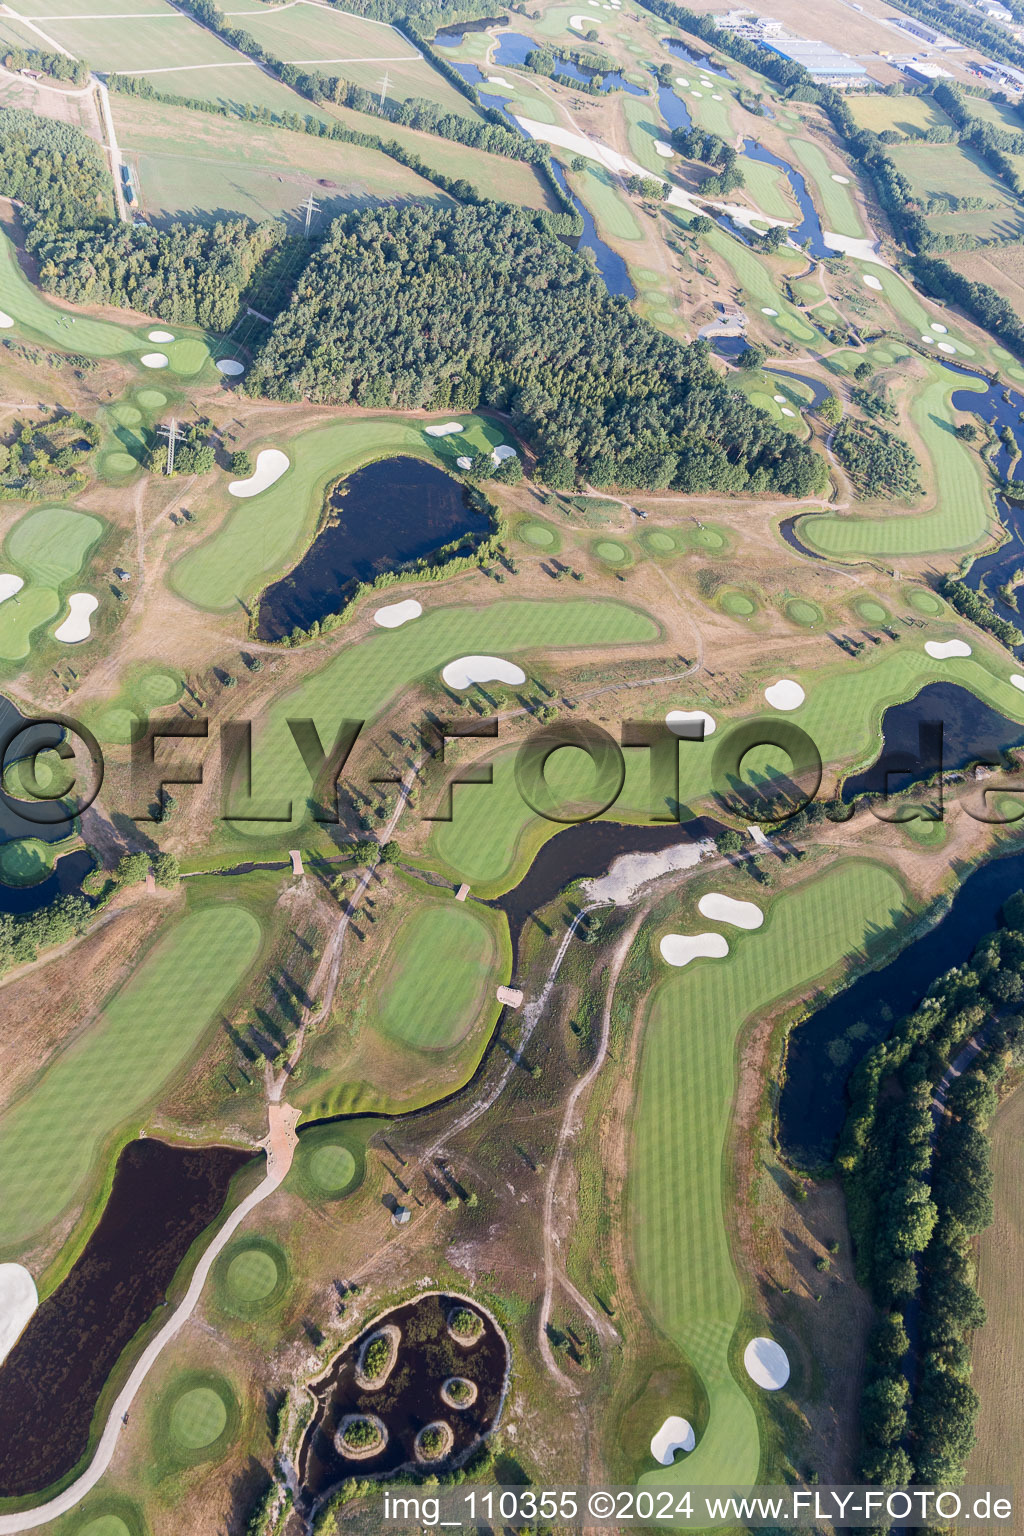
[[700, 60], [990, 572], [161, 1200], [451, 37], [66, 880], [729, 346], [970, 732], [609, 263], [410, 1398], [513, 49], [52, 824], [379, 519], [673, 108], [584, 852], [827, 1046], [809, 228]]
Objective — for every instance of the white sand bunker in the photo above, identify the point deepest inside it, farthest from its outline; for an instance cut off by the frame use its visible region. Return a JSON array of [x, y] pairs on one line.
[[630, 872], [161, 335], [946, 346], [394, 614], [767, 1364], [787, 412], [494, 80], [9, 584], [942, 650], [785, 694], [271, 464], [699, 95], [5, 320], [716, 97], [766, 309], [664, 150], [872, 282], [18, 1301], [503, 452], [726, 909], [153, 360], [76, 626], [675, 1434], [681, 948], [779, 399], [1017, 681], [468, 670], [230, 366], [844, 181], [939, 329], [678, 719], [579, 23], [928, 340], [448, 427], [464, 461], [681, 80]]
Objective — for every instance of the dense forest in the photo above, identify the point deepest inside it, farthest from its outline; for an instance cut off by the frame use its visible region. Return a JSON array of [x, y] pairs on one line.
[[918, 1186], [59, 66], [57, 174], [979, 609], [879, 463], [449, 309]]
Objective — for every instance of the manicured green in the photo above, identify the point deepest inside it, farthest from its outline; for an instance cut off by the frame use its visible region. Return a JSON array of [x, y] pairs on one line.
[[25, 861], [964, 511], [358, 681], [157, 687], [803, 612], [645, 128], [925, 602], [687, 1079], [264, 535], [609, 550], [197, 1418], [659, 542], [608, 203], [441, 972], [19, 620], [538, 534], [755, 278], [332, 1167], [52, 1135], [870, 611], [330, 1161], [51, 545], [105, 1525], [740, 604], [252, 1275]]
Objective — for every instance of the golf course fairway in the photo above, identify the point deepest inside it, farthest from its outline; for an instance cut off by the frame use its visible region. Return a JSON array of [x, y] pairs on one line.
[[51, 1136], [687, 1076]]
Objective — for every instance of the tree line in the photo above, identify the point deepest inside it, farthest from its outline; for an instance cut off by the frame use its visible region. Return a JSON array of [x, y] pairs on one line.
[[879, 462], [919, 1190], [422, 307], [980, 610], [59, 66]]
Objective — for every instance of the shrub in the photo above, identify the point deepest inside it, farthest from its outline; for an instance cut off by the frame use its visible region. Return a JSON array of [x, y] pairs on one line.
[[467, 1324], [360, 1434], [376, 1357]]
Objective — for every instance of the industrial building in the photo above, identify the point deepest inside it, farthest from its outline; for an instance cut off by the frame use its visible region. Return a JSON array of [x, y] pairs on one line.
[[822, 62]]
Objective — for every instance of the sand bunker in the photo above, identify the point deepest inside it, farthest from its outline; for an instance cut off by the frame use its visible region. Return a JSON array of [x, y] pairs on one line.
[[495, 80], [942, 650], [9, 584], [1017, 681], [464, 461], [872, 282], [779, 399], [468, 670], [503, 452], [844, 181], [787, 412], [675, 1434], [271, 464], [726, 909], [394, 614], [5, 320], [767, 1364], [766, 309], [18, 1301], [946, 346], [677, 719], [629, 872], [928, 340], [940, 329], [664, 150], [716, 97], [230, 366], [681, 80], [76, 626], [161, 335], [153, 360], [448, 427], [681, 948], [699, 95], [785, 694], [579, 23]]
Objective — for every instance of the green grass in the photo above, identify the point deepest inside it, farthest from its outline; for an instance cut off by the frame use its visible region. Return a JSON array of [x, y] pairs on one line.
[[870, 611], [264, 535], [251, 1276], [332, 1167], [52, 1135], [835, 202], [330, 1161], [803, 612], [906, 114], [195, 1419], [687, 1080], [934, 169], [768, 188], [25, 861], [51, 545], [644, 128], [607, 202], [358, 682], [432, 1004], [163, 33], [963, 514], [19, 620]]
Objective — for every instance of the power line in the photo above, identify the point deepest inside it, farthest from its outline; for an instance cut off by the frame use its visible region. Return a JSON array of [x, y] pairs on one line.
[[310, 206], [172, 434], [384, 88]]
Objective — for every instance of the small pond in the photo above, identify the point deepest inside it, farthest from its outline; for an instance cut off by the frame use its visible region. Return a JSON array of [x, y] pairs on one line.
[[410, 1397], [379, 519], [999, 567], [161, 1200], [609, 263], [826, 1047], [512, 49], [809, 228], [701, 61]]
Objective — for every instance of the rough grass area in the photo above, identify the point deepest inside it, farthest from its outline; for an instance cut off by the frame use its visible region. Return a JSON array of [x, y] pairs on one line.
[[677, 1212], [51, 1136]]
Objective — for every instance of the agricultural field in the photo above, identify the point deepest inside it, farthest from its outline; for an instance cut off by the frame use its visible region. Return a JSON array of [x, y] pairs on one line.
[[937, 169]]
